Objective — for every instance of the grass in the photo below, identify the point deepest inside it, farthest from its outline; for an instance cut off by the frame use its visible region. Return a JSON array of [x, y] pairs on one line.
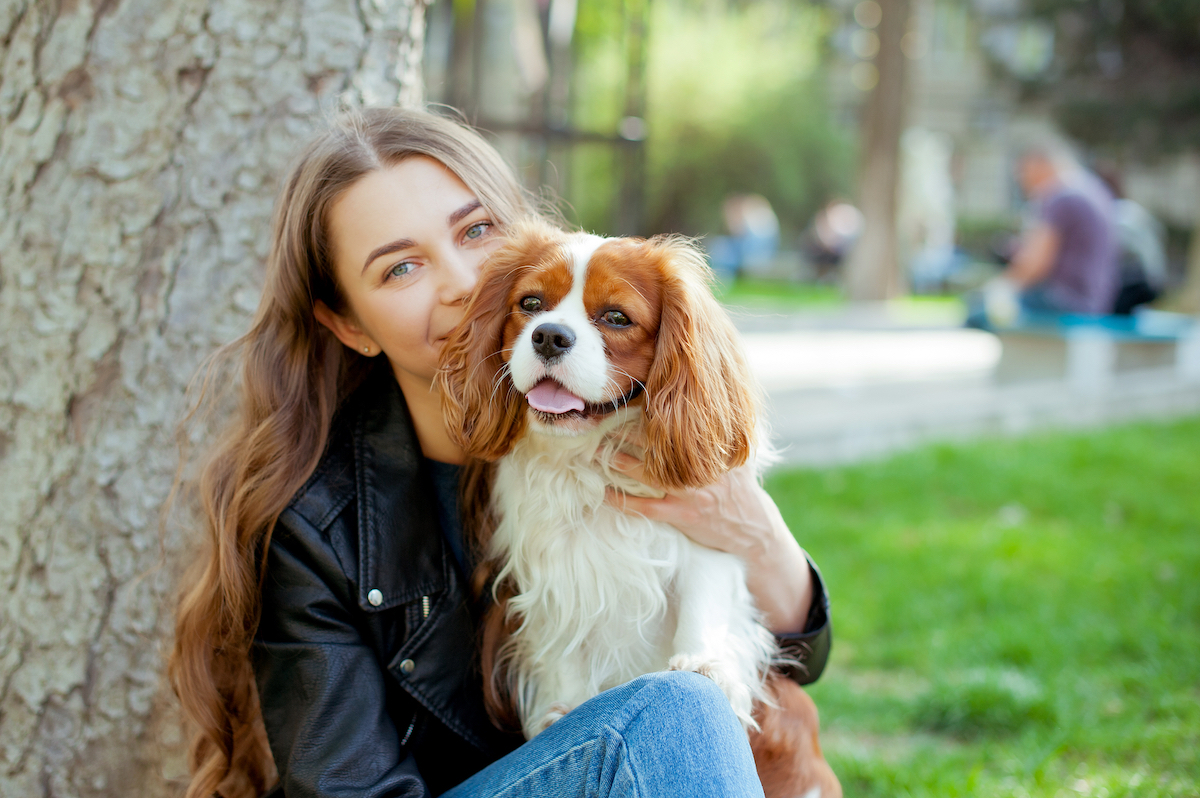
[[779, 293], [1012, 618], [783, 296]]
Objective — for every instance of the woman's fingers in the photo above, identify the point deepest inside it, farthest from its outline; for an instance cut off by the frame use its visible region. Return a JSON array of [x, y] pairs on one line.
[[651, 508], [634, 467]]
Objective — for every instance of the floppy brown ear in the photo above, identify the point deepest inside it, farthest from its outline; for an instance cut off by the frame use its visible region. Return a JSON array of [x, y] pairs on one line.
[[495, 658], [484, 414], [701, 404]]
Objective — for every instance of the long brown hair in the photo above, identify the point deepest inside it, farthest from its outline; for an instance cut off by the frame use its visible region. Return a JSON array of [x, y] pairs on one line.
[[293, 375]]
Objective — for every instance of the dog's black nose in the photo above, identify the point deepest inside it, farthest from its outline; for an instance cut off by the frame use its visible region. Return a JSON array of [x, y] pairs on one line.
[[552, 340]]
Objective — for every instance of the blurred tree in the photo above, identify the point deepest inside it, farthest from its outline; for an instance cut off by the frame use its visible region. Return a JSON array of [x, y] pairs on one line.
[[1127, 79], [781, 147], [735, 104], [140, 144], [873, 268]]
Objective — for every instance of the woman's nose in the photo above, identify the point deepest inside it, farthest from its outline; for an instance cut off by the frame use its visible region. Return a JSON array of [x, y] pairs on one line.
[[459, 275]]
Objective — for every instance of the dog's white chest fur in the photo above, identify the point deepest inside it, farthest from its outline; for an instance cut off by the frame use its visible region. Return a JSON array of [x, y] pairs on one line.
[[604, 596]]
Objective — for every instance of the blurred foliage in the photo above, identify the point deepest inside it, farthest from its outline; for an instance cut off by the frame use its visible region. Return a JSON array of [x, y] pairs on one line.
[[736, 104], [1127, 72], [1170, 26], [983, 238], [1145, 123], [1011, 617]]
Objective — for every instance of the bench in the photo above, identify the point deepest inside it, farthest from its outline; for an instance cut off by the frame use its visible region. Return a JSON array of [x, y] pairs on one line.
[[1090, 351]]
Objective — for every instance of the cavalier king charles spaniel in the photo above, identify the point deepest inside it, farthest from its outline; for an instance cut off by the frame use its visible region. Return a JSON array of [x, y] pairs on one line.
[[575, 348]]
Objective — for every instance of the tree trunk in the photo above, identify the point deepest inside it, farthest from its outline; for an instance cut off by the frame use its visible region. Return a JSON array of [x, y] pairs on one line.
[[141, 142], [873, 268]]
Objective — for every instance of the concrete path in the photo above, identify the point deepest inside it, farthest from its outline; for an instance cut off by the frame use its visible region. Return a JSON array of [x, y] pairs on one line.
[[849, 384]]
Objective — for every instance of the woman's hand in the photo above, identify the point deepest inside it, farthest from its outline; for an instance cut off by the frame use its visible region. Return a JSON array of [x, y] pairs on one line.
[[734, 515]]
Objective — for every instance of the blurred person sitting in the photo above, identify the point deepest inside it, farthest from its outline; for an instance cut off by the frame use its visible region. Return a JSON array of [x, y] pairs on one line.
[[753, 238], [832, 233], [1066, 261]]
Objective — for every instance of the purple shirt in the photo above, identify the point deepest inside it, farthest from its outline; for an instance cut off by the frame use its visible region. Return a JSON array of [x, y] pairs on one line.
[[1086, 276]]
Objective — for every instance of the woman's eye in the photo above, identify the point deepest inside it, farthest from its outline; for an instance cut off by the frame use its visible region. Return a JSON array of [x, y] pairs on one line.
[[399, 270], [477, 230], [616, 318], [531, 304]]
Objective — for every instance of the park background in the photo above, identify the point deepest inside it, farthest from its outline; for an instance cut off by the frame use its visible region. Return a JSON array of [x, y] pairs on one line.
[[1013, 572]]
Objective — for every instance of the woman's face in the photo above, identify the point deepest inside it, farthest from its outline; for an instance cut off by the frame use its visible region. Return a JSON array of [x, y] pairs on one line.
[[408, 242]]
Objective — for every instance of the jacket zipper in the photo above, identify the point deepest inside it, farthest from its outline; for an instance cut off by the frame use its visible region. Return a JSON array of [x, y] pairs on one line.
[[412, 724], [407, 734]]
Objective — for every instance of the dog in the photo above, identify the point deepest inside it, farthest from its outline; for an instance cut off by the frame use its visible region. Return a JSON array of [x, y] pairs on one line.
[[575, 348]]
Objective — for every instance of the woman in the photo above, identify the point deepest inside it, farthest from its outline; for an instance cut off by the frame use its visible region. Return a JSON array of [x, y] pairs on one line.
[[326, 639]]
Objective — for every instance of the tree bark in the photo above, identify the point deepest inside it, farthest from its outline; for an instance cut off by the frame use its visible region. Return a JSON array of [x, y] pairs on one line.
[[141, 142], [873, 268]]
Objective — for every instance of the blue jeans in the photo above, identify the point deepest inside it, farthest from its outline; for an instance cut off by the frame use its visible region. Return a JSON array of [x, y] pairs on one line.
[[665, 734]]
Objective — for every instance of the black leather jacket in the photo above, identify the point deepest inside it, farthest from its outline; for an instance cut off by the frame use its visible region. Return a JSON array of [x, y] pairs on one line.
[[365, 652]]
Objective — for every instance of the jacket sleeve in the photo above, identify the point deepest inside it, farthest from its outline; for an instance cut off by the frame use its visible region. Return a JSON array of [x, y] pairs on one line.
[[320, 685], [804, 654]]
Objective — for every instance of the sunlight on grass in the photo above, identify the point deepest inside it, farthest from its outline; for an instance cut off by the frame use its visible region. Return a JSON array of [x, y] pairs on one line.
[[1012, 617], [778, 294], [782, 296]]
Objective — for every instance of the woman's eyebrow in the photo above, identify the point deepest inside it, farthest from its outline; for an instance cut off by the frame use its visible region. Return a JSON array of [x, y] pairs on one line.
[[386, 249], [462, 212], [406, 243]]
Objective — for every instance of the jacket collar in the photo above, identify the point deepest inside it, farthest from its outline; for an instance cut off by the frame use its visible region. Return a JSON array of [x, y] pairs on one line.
[[401, 551]]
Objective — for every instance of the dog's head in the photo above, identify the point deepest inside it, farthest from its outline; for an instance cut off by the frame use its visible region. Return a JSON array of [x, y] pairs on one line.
[[566, 329]]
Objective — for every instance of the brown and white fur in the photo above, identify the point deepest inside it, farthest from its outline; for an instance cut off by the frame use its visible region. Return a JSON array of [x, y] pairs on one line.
[[574, 347]]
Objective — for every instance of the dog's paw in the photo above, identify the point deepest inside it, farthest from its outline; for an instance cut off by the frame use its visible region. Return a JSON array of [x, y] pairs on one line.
[[557, 710], [740, 696], [694, 663]]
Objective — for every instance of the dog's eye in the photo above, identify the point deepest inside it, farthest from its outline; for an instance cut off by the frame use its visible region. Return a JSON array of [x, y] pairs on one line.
[[616, 318], [531, 304]]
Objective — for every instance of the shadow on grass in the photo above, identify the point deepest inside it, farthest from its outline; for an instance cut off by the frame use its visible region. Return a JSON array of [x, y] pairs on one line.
[[984, 702]]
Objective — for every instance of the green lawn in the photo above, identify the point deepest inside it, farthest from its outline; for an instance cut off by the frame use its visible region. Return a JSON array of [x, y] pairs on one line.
[[754, 292], [1012, 618], [782, 296]]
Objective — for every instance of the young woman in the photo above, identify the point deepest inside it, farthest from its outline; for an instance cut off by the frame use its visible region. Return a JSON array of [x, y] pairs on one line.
[[325, 642]]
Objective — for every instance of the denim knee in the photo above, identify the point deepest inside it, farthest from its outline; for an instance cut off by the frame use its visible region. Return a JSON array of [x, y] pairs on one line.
[[682, 704], [692, 695], [658, 736], [680, 736]]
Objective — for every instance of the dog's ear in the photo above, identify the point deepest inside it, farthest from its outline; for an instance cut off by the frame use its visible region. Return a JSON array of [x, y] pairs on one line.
[[484, 414], [496, 654], [701, 402]]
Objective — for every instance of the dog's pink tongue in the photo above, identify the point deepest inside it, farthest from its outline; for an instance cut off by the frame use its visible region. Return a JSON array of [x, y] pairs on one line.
[[550, 397]]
